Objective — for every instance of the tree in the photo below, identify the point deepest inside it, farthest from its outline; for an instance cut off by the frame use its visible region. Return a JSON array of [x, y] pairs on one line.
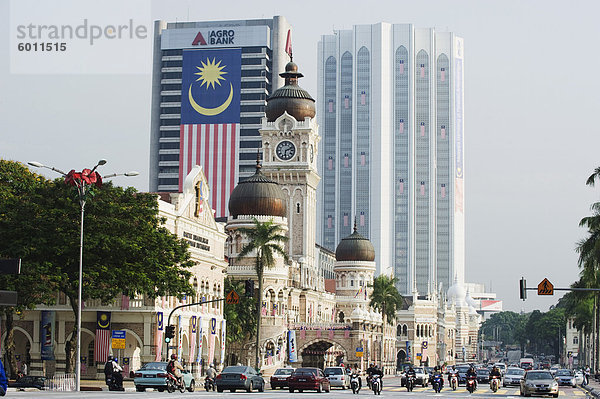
[[126, 248], [241, 319], [385, 297], [18, 192], [265, 240]]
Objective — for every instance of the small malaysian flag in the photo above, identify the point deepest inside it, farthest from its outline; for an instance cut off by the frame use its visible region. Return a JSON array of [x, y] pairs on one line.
[[345, 219], [303, 334], [443, 191], [363, 98], [263, 310], [346, 101], [346, 333], [330, 163], [401, 186], [401, 126], [331, 333], [330, 106], [362, 158], [362, 218], [422, 70], [422, 188], [401, 69], [319, 333], [443, 131], [443, 74], [422, 129], [346, 160], [329, 221]]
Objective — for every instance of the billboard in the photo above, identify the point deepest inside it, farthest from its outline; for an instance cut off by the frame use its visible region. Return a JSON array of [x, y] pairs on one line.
[[217, 36], [292, 351], [47, 334]]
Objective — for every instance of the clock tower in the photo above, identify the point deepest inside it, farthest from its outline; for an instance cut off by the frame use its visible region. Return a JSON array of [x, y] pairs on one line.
[[290, 140]]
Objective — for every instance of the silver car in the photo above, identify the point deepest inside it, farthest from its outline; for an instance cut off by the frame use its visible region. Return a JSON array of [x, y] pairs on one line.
[[513, 376], [539, 382], [337, 377], [565, 377]]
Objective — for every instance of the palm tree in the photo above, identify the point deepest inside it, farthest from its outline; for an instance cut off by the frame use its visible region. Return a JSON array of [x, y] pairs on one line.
[[265, 239], [385, 297]]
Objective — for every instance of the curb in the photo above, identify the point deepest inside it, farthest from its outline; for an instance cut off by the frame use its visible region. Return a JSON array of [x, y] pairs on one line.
[[594, 392]]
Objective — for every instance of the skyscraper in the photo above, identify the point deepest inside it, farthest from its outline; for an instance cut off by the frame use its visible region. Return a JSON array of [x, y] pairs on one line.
[[218, 131], [390, 110]]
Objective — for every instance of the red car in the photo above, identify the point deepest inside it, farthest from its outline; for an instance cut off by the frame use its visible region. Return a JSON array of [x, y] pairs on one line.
[[308, 378]]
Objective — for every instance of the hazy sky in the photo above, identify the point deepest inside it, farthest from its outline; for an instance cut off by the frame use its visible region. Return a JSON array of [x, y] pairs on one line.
[[532, 94]]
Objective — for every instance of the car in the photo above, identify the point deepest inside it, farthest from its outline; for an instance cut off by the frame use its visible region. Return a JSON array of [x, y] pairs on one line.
[[421, 376], [430, 371], [239, 377], [29, 381], [554, 369], [565, 377], [513, 376], [539, 382], [462, 373], [483, 375], [306, 378], [337, 377], [501, 367], [578, 377], [154, 375], [279, 379]]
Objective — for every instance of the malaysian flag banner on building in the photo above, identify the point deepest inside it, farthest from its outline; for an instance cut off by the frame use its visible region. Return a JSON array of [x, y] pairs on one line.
[[102, 344], [199, 356], [159, 336], [210, 120], [193, 339]]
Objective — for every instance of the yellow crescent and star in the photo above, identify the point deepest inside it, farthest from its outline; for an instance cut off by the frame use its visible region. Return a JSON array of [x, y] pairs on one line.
[[210, 73], [103, 322]]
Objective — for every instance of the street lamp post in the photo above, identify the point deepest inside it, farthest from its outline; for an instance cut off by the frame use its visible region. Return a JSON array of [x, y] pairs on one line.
[[81, 181]]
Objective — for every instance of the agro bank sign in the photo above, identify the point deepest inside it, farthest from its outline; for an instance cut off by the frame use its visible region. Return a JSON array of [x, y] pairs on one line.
[[207, 37]]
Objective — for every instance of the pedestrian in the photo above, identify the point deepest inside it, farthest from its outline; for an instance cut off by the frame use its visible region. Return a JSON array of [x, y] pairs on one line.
[[24, 369], [587, 375]]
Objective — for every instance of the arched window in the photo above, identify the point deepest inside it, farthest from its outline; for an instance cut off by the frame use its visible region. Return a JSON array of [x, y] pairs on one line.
[[341, 317], [405, 330]]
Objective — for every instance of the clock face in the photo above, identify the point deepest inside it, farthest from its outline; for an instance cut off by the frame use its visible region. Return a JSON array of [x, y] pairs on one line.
[[312, 153], [285, 150]]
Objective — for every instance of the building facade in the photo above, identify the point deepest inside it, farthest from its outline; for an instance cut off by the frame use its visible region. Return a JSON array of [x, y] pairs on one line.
[[223, 141], [390, 107]]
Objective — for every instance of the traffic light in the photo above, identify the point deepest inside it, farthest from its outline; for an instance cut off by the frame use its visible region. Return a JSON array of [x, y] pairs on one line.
[[169, 333], [523, 289], [249, 288]]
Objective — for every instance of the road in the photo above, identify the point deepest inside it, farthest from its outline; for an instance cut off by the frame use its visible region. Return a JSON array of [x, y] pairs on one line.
[[391, 391]]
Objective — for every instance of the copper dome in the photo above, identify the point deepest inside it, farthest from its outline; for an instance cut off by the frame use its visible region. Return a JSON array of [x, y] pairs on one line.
[[290, 98], [355, 248], [257, 195]]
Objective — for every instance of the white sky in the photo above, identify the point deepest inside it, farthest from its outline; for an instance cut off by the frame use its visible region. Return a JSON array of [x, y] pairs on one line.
[[531, 101]]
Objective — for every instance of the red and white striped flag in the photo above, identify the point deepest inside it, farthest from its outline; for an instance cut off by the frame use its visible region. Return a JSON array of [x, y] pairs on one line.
[[422, 188], [443, 191], [124, 302], [303, 333], [330, 163], [102, 342], [362, 159], [401, 67], [363, 98], [214, 147], [319, 333], [401, 186], [443, 131], [443, 74], [346, 160], [193, 340], [288, 43], [422, 70], [347, 333], [331, 333], [346, 101], [329, 221], [362, 218], [401, 126], [422, 129], [345, 219], [159, 336]]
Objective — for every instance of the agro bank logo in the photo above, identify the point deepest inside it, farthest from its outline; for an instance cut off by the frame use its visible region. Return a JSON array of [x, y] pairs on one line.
[[224, 36], [210, 73]]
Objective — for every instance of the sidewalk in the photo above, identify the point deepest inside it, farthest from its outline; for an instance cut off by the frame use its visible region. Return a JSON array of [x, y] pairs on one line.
[[593, 388], [86, 385]]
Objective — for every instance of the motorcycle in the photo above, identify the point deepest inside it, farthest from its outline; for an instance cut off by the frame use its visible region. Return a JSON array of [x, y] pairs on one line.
[[471, 384], [174, 383], [114, 384], [209, 384], [355, 382], [376, 384], [410, 383], [453, 381], [437, 383], [494, 383]]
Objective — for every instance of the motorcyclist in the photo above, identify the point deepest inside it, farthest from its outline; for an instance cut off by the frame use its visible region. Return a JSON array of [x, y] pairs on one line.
[[175, 368], [116, 372], [211, 373], [471, 373], [356, 372], [411, 373], [495, 372], [452, 373], [378, 371], [437, 373], [370, 371]]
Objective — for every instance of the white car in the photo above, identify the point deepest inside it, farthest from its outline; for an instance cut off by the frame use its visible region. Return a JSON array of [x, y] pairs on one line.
[[421, 376], [337, 377], [513, 376], [501, 367], [579, 377]]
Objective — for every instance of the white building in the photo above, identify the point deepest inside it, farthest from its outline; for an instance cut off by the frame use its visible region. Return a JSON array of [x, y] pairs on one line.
[[390, 109]]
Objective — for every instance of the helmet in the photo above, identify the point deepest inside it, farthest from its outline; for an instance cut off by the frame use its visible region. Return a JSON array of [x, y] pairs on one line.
[[174, 356], [212, 365], [116, 359], [109, 359]]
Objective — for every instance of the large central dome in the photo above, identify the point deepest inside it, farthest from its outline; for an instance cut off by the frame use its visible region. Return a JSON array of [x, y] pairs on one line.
[[355, 248], [290, 98], [257, 195]]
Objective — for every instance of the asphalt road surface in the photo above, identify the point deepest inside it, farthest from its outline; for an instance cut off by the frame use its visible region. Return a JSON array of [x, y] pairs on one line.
[[391, 391]]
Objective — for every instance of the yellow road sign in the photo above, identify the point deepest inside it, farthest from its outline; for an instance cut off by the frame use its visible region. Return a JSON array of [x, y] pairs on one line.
[[545, 287], [118, 343], [232, 298]]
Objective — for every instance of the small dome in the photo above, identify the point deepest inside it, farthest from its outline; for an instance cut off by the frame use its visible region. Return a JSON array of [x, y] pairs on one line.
[[457, 293], [355, 248], [290, 98], [356, 314], [257, 195]]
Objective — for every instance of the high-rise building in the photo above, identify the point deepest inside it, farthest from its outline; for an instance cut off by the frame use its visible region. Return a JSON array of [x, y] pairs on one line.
[[228, 69], [390, 110]]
